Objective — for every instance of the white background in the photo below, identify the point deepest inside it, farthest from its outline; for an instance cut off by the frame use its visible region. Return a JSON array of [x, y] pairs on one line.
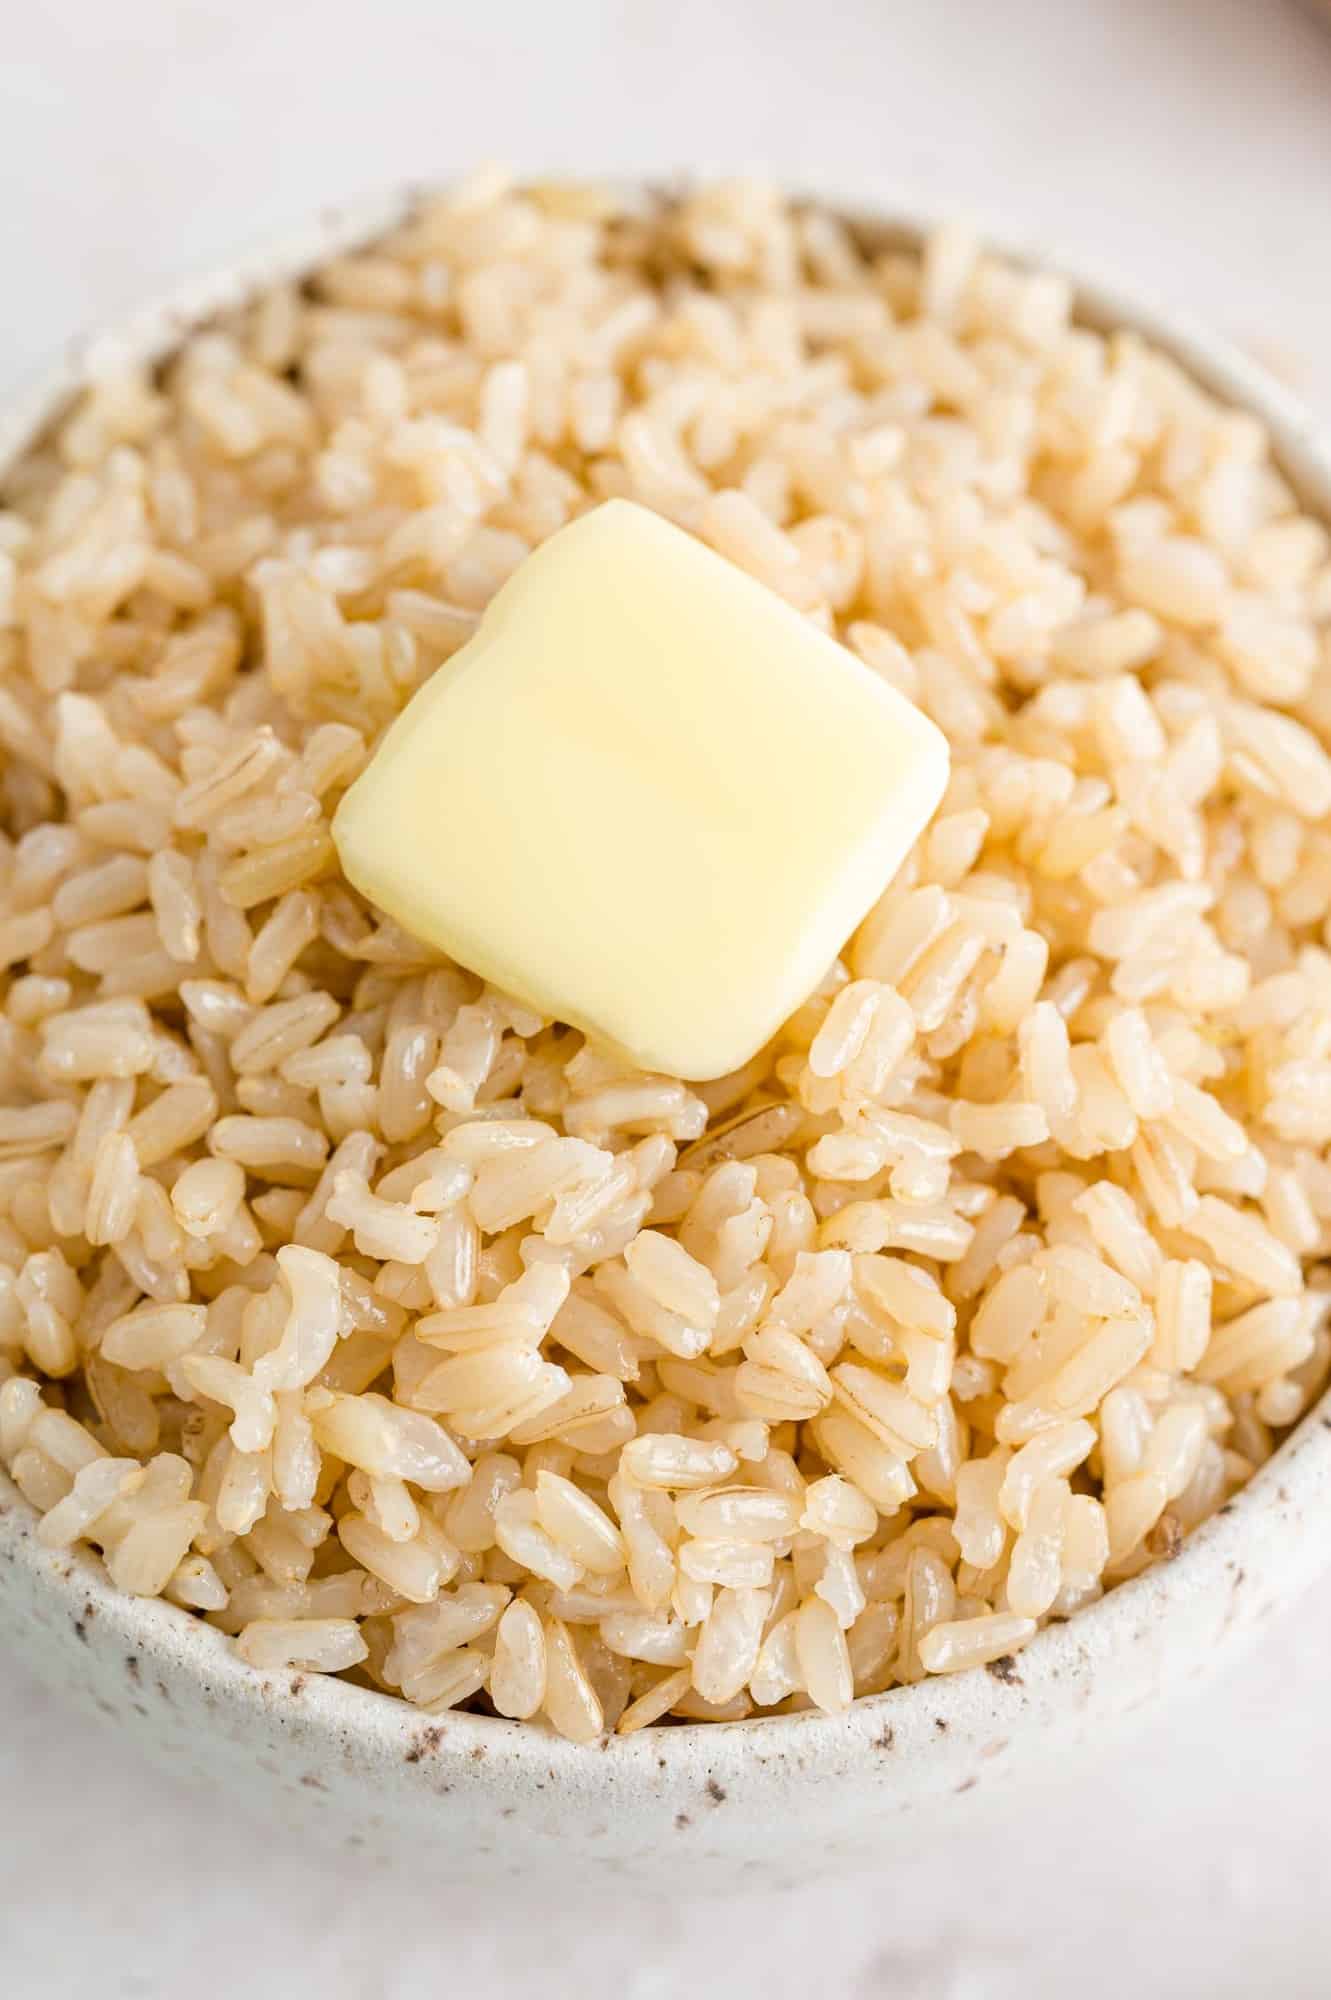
[[1188, 143]]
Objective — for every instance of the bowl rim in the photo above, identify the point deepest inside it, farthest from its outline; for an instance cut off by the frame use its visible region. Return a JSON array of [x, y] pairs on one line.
[[1064, 1667]]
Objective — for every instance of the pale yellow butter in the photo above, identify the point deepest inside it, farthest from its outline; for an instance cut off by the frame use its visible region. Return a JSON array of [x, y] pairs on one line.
[[648, 797]]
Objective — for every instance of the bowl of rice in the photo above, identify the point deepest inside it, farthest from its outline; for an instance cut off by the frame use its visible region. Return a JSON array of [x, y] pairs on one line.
[[416, 1417]]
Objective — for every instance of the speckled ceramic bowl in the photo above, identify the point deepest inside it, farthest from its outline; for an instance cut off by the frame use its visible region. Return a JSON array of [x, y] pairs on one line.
[[776, 1799]]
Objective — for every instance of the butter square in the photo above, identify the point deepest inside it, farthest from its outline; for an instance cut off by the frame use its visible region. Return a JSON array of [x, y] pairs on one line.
[[647, 797]]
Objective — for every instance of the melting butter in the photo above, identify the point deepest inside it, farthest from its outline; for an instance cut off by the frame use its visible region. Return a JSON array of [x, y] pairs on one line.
[[648, 797]]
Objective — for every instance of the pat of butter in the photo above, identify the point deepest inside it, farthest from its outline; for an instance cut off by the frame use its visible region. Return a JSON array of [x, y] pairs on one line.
[[648, 797]]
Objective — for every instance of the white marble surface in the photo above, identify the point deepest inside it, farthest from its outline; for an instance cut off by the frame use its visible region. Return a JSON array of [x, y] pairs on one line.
[[1188, 142]]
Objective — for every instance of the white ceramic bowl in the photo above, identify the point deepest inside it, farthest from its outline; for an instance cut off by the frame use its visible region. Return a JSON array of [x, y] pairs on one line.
[[775, 1799]]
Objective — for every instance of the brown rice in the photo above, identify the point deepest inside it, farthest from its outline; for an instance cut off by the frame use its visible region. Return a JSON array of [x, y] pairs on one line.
[[365, 1313]]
